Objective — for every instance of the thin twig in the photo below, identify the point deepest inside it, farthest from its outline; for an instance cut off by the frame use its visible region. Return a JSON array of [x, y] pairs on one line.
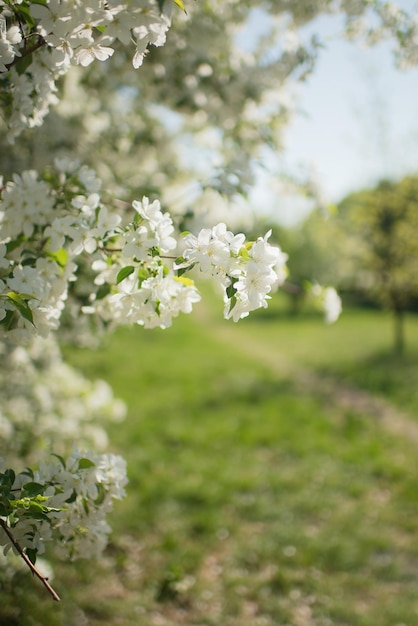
[[41, 42], [28, 562]]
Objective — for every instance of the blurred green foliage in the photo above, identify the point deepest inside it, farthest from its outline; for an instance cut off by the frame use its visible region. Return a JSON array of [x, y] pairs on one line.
[[368, 249]]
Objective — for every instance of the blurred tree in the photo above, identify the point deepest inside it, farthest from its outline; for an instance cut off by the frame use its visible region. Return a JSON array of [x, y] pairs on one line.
[[313, 252], [315, 249], [381, 226]]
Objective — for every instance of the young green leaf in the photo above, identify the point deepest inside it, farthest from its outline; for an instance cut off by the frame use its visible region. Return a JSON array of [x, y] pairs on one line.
[[124, 273], [85, 464], [188, 282], [60, 257], [180, 4]]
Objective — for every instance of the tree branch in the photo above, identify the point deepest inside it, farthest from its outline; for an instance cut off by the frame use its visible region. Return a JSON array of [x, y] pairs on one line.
[[28, 562], [41, 42]]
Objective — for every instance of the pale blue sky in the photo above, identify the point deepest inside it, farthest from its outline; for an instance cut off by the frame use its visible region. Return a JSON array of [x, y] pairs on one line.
[[358, 121]]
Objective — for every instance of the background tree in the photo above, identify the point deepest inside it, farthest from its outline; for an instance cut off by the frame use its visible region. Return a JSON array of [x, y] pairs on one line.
[[381, 225]]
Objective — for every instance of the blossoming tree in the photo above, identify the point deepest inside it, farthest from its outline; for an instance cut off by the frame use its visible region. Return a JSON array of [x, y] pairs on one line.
[[74, 254]]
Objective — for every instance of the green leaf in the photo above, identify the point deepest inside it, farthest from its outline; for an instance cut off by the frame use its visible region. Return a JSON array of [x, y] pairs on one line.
[[137, 219], [37, 514], [6, 482], [5, 508], [15, 243], [102, 493], [85, 464], [232, 303], [182, 270], [180, 4], [29, 261], [244, 250], [28, 505], [20, 304], [11, 476], [231, 291], [25, 15], [60, 257], [22, 65], [102, 291], [124, 273], [72, 497], [60, 459], [188, 282], [143, 274], [7, 319], [31, 554], [35, 507], [28, 472], [32, 489]]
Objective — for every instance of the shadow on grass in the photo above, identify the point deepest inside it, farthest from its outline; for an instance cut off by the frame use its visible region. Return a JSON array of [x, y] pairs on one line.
[[383, 373]]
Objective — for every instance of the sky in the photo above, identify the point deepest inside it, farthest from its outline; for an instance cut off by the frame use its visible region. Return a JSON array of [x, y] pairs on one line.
[[357, 121]]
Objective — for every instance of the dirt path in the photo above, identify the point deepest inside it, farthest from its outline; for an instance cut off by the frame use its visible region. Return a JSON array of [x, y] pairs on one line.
[[335, 393]]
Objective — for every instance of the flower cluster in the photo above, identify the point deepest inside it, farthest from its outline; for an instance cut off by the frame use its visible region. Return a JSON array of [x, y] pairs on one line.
[[47, 228], [44, 226], [47, 405], [328, 300], [40, 41], [65, 501], [136, 286], [247, 271]]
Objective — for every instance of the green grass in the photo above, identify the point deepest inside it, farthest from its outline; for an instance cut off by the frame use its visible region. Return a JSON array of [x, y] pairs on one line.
[[254, 499]]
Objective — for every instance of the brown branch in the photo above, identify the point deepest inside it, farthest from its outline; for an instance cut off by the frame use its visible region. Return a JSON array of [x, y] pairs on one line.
[[41, 42], [28, 562]]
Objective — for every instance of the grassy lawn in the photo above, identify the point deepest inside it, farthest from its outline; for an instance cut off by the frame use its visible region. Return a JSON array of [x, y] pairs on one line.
[[254, 499]]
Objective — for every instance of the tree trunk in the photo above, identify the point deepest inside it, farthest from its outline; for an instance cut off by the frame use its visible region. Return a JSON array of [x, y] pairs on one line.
[[399, 332]]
